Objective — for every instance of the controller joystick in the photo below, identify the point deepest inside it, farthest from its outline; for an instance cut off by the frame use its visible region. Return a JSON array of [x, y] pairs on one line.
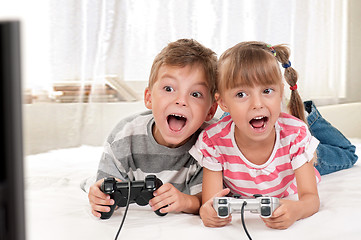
[[140, 193]]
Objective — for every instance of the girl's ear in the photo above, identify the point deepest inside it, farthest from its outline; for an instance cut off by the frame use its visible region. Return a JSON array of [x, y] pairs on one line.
[[147, 98], [220, 102]]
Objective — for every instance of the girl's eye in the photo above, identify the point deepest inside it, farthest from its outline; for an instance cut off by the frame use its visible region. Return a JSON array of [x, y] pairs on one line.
[[241, 95], [268, 91], [168, 89], [196, 94]]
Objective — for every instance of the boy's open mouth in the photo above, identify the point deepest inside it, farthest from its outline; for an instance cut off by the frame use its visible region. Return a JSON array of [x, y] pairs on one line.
[[259, 122], [176, 122]]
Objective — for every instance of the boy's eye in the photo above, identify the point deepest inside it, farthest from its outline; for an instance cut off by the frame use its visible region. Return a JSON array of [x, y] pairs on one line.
[[168, 89], [268, 91], [196, 94], [241, 94]]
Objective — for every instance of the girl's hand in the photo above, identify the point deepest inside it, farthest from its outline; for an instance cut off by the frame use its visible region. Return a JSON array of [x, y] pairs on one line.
[[284, 216], [209, 215]]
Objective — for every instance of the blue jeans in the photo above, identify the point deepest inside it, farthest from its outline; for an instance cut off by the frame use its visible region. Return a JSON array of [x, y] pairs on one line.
[[335, 152]]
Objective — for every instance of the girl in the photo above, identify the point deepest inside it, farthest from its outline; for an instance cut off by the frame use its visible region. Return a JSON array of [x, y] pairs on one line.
[[258, 149]]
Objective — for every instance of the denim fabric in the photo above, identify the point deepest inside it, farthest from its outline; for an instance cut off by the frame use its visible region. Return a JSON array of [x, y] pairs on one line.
[[335, 152]]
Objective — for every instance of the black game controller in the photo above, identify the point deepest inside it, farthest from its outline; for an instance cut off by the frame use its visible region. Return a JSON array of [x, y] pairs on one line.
[[140, 192]]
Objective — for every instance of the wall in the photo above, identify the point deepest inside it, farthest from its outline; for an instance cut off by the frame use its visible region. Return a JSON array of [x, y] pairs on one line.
[[50, 126], [353, 90]]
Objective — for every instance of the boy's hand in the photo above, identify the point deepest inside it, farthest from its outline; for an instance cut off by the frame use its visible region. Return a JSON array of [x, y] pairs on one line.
[[97, 199], [284, 216], [173, 200], [209, 214]]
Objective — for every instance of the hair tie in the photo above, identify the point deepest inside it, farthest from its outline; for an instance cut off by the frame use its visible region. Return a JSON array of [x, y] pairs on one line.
[[286, 65], [293, 88], [272, 49]]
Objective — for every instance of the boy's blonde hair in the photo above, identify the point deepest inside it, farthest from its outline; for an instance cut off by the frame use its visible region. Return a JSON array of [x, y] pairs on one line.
[[184, 52], [257, 63]]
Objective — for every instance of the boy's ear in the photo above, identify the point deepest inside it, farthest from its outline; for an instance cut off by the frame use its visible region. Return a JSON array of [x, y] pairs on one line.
[[220, 102], [212, 111], [147, 98]]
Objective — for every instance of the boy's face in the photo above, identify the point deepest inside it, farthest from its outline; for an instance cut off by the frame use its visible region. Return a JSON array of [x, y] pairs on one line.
[[254, 111], [180, 101]]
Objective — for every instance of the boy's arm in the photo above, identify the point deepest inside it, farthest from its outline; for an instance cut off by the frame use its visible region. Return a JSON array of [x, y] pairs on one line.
[[308, 204]]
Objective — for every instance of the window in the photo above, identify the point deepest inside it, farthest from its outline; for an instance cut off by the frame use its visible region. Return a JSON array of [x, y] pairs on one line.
[[91, 42]]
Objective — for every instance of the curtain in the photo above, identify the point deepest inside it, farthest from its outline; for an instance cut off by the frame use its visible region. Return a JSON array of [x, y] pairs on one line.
[[93, 39]]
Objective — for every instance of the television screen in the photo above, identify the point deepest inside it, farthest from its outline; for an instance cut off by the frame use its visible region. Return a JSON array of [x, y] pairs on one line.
[[12, 220]]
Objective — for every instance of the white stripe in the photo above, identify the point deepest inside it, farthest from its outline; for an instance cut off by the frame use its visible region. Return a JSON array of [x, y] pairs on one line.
[[262, 185], [135, 127], [177, 177]]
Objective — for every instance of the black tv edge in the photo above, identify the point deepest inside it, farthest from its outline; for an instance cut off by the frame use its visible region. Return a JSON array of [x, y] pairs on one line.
[[12, 210]]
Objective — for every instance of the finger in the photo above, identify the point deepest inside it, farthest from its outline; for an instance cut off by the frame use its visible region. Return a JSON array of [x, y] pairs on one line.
[[278, 212], [100, 208], [96, 213], [100, 201], [222, 193], [217, 222], [95, 191], [165, 195], [164, 188], [167, 201]]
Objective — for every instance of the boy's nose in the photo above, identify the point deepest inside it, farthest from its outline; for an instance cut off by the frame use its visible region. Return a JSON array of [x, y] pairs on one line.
[[181, 103], [181, 100], [257, 102]]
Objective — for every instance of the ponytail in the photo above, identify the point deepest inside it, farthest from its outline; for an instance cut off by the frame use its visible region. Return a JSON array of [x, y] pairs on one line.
[[295, 105]]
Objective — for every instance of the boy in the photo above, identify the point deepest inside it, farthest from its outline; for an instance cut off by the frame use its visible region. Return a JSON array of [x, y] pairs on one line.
[[180, 94]]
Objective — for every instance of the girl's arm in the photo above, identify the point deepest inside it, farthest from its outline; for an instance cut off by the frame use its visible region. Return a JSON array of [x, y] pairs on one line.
[[212, 187], [308, 203], [212, 184]]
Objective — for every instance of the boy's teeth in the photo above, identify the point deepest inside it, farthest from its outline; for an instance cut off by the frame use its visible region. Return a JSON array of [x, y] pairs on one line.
[[176, 122]]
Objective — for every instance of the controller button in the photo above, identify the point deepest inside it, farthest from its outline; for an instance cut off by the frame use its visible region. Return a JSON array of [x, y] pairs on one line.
[[222, 201], [223, 211], [266, 211], [266, 201]]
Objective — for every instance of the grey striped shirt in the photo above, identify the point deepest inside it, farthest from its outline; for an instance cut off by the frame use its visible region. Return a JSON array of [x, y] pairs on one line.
[[131, 153]]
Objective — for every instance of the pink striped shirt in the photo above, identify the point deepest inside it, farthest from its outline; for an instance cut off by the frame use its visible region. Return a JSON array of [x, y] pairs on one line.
[[217, 150]]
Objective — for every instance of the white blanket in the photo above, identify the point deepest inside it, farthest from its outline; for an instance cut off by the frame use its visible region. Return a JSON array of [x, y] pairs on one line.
[[57, 208]]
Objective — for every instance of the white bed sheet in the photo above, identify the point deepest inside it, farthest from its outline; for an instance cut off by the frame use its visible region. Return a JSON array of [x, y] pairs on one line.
[[57, 208]]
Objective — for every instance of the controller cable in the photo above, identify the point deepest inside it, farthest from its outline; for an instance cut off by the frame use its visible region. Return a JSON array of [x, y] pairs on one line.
[[125, 212], [243, 223]]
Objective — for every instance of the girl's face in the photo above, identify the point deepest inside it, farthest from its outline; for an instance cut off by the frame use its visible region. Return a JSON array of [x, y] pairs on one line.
[[254, 110]]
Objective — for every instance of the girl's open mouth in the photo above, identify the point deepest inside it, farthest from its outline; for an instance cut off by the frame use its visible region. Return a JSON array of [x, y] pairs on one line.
[[259, 123], [176, 122]]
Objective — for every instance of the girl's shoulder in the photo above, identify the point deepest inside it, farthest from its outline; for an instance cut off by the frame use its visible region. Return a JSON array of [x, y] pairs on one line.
[[292, 128], [290, 121], [219, 125]]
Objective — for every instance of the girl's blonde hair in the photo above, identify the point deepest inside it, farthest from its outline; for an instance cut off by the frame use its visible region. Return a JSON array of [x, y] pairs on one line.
[[257, 63]]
